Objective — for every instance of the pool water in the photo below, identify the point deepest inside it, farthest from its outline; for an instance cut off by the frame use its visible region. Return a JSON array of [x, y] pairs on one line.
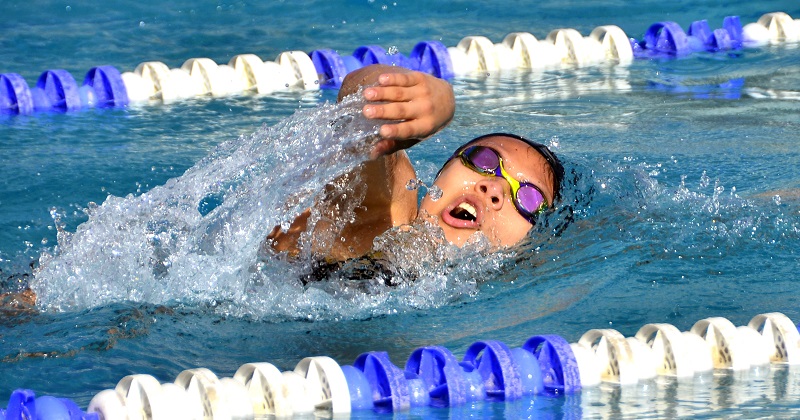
[[683, 201]]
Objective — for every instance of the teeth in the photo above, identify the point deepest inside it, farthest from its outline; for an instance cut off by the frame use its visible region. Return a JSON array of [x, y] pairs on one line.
[[465, 211], [468, 208]]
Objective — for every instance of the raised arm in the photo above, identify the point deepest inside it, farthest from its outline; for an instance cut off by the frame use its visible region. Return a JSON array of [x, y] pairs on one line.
[[418, 105]]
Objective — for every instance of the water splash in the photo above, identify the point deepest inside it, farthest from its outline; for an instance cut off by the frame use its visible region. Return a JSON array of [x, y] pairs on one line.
[[204, 228], [198, 239]]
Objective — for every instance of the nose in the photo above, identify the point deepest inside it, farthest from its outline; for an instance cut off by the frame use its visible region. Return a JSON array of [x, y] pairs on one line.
[[492, 190]]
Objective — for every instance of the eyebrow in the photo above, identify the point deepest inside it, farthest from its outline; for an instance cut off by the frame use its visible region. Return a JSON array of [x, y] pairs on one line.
[[549, 173]]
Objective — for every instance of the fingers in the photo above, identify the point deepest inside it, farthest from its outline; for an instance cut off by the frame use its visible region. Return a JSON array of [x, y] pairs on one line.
[[398, 87], [401, 79], [395, 93], [412, 129], [398, 110], [419, 105]]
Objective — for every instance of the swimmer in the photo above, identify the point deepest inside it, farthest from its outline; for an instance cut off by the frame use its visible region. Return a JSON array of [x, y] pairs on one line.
[[497, 184]]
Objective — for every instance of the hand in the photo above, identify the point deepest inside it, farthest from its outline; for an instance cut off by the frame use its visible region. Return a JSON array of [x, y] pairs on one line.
[[420, 103]]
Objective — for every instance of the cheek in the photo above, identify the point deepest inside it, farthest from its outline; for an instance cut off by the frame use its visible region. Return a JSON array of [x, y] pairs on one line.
[[507, 229]]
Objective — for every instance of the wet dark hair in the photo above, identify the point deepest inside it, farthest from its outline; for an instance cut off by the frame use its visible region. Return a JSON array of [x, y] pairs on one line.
[[547, 154]]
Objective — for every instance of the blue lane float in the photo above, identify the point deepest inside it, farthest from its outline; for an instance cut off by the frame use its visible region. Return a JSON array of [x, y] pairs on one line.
[[544, 366], [104, 86], [429, 56], [557, 364], [56, 90], [23, 404], [15, 96], [668, 38]]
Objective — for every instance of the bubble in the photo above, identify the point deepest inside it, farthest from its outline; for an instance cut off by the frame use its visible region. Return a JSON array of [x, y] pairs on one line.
[[392, 50], [776, 199], [412, 184]]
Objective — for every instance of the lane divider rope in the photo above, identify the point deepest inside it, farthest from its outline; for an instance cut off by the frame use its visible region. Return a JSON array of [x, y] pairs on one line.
[[153, 81], [545, 365]]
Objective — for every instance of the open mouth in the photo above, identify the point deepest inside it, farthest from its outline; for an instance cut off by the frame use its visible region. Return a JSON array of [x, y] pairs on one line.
[[463, 214], [465, 211]]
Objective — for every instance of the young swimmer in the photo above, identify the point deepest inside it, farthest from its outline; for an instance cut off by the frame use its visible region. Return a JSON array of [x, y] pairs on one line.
[[496, 184]]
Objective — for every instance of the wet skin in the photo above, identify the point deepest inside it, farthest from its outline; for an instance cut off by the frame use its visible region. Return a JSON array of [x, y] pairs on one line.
[[472, 202], [419, 105]]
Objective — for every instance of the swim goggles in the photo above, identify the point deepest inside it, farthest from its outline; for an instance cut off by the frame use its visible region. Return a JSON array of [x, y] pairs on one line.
[[527, 198]]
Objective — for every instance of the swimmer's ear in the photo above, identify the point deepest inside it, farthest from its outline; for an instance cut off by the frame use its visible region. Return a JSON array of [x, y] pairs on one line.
[[365, 76]]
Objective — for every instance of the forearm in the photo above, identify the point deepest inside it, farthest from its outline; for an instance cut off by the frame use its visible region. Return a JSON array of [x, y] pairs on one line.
[[386, 178]]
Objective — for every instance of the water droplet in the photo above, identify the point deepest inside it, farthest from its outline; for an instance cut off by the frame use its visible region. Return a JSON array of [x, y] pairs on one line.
[[704, 180], [392, 50], [777, 200], [412, 184], [435, 193]]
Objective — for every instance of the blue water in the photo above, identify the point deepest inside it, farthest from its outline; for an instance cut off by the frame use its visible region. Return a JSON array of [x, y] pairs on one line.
[[684, 193]]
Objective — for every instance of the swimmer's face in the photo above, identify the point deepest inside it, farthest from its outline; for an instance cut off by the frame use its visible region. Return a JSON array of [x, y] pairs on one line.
[[472, 202]]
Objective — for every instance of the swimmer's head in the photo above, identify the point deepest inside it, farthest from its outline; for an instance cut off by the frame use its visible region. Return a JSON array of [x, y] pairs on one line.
[[496, 184]]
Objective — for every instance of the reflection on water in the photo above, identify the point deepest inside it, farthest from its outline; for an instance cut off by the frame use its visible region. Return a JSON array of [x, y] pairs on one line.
[[752, 394]]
